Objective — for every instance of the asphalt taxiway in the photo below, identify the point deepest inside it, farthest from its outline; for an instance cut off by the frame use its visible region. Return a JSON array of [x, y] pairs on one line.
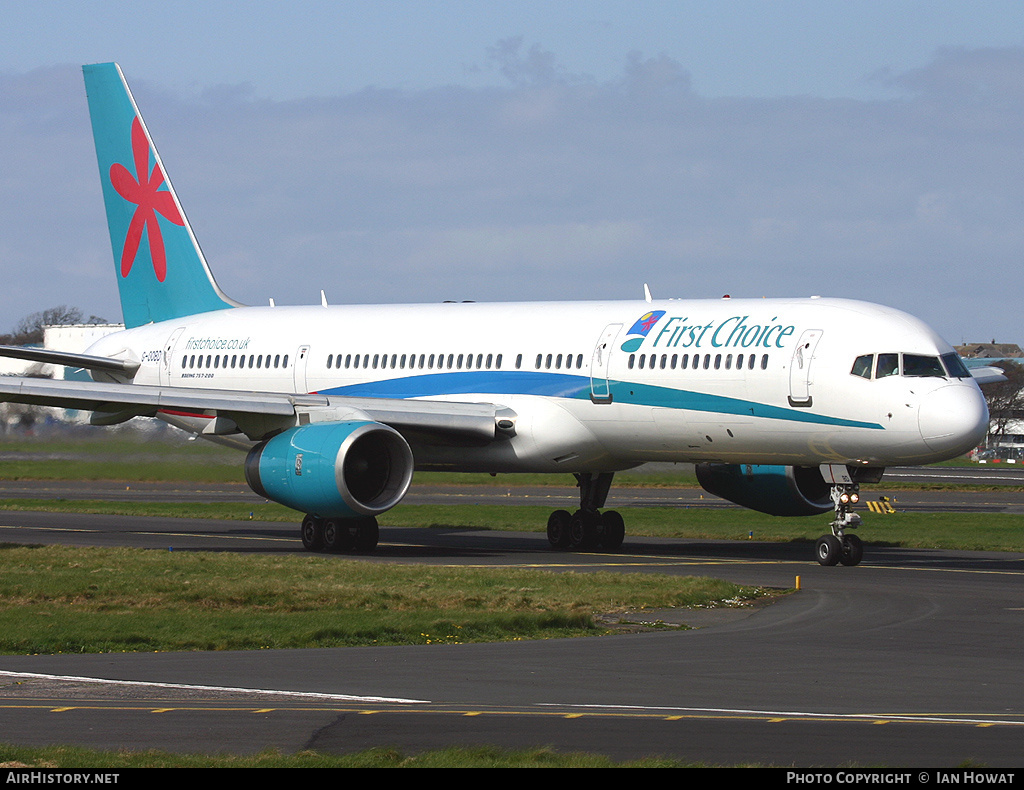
[[912, 658]]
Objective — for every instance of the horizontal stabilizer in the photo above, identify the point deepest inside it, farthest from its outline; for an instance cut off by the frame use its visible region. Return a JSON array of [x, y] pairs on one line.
[[126, 367]]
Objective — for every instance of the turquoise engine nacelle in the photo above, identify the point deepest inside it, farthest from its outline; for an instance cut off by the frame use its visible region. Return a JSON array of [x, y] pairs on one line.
[[776, 490], [333, 469]]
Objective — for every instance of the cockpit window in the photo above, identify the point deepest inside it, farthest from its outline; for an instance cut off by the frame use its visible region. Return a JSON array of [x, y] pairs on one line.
[[955, 366], [919, 365], [888, 365], [862, 366]]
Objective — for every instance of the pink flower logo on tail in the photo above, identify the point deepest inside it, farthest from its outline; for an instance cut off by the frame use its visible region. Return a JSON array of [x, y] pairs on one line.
[[144, 192]]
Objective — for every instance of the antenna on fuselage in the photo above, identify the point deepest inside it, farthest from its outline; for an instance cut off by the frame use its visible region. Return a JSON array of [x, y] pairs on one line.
[[647, 294]]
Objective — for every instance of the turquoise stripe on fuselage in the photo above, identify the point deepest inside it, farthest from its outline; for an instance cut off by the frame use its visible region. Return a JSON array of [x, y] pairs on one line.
[[563, 385]]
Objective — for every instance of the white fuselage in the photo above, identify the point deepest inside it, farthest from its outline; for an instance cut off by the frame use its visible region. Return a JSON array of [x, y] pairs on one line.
[[753, 381]]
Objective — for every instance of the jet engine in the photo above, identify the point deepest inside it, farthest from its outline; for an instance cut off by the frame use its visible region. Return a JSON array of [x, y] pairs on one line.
[[776, 490], [333, 469]]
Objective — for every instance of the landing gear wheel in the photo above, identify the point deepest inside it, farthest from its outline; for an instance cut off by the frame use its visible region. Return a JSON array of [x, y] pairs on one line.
[[828, 549], [558, 529], [852, 550], [312, 533], [588, 529], [367, 534], [337, 535], [583, 530], [613, 530]]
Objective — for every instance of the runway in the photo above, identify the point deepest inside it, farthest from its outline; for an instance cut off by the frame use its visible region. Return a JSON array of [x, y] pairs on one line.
[[910, 659]]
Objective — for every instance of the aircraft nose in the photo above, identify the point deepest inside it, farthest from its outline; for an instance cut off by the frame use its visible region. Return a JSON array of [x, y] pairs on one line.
[[953, 419]]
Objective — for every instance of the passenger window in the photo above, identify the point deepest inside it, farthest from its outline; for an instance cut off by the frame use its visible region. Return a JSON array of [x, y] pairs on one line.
[[888, 365], [918, 365], [862, 366]]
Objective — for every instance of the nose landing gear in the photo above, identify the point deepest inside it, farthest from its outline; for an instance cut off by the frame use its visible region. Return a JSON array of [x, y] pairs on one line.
[[839, 547]]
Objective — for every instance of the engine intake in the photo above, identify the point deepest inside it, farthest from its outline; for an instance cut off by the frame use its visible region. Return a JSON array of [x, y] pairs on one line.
[[339, 469]]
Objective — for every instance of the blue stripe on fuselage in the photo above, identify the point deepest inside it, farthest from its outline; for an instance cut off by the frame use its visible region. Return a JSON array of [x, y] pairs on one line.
[[563, 385]]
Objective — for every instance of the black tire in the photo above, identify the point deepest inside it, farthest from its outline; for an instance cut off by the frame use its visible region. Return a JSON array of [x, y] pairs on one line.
[[828, 549], [367, 534], [312, 533], [853, 550], [558, 529], [613, 530], [337, 535], [583, 531]]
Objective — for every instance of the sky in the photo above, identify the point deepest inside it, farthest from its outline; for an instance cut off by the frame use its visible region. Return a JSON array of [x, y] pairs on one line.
[[420, 151]]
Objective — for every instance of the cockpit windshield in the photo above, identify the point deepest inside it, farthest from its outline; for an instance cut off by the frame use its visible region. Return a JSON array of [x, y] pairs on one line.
[[957, 369], [913, 365], [918, 365]]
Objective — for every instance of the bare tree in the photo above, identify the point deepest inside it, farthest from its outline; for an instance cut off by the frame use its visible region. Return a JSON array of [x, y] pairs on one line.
[[1005, 398], [30, 328]]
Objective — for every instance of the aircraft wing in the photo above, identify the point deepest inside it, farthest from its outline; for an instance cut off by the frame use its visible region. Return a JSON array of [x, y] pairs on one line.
[[987, 375], [258, 414]]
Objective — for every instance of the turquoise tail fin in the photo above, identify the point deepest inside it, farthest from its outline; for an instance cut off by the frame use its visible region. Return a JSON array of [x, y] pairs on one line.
[[161, 272]]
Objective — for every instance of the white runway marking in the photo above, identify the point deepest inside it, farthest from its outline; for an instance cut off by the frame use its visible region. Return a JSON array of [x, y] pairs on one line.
[[189, 687]]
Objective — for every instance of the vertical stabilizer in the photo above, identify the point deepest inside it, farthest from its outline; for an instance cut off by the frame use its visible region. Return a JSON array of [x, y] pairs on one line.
[[161, 272]]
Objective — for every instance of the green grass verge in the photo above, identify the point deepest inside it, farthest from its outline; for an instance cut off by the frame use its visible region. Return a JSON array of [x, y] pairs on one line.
[[16, 758], [58, 599]]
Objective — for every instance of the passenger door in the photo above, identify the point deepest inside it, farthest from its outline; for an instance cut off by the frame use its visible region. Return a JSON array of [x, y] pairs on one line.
[[800, 368], [600, 389], [165, 363], [301, 359]]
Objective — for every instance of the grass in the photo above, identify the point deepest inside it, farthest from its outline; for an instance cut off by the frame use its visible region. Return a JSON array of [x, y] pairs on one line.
[[127, 456], [13, 758], [59, 599]]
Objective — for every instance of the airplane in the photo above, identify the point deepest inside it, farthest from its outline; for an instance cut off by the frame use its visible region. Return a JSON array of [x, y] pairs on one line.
[[785, 406]]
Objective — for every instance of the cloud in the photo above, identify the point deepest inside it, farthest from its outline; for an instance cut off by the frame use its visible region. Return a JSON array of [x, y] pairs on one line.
[[556, 186]]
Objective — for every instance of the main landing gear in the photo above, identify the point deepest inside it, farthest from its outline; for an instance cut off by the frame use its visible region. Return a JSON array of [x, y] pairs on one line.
[[338, 535], [840, 547], [588, 529]]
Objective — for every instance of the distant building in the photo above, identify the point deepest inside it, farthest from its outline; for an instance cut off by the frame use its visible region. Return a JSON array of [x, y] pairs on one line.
[[989, 352], [75, 338], [1007, 445]]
